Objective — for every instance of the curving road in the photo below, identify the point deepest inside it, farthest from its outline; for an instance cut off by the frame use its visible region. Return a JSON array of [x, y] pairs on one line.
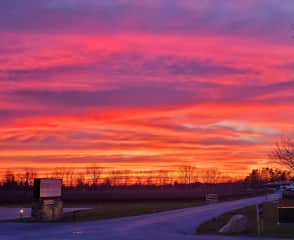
[[172, 225]]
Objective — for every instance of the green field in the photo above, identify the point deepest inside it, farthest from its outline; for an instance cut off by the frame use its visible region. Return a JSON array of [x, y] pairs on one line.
[[271, 228]]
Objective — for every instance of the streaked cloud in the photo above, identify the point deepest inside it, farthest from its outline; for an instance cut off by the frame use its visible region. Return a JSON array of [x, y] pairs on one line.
[[243, 127], [145, 83]]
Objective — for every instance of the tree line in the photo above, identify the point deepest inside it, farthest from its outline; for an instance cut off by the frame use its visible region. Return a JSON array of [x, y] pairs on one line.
[[94, 176], [268, 175]]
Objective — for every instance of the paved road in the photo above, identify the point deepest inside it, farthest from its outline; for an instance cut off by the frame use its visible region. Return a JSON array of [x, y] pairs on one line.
[[7, 213], [172, 225]]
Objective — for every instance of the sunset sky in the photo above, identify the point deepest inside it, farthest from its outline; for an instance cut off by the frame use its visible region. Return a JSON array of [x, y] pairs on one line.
[[145, 83]]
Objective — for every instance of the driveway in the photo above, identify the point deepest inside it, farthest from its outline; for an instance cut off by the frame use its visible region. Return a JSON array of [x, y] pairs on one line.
[[7, 213], [171, 225]]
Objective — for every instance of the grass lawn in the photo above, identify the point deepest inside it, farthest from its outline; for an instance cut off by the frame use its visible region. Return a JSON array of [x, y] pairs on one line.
[[114, 210], [271, 229]]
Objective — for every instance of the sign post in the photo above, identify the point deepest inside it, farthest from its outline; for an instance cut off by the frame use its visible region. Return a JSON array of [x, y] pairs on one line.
[[47, 203], [259, 215]]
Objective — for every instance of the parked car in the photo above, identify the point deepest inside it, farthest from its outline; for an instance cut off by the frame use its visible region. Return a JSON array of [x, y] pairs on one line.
[[289, 188]]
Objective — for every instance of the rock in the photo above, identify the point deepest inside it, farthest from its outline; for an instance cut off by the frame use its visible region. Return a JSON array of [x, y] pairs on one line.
[[237, 224]]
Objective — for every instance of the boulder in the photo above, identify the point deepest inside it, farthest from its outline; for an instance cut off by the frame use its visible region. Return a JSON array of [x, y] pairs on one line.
[[237, 224]]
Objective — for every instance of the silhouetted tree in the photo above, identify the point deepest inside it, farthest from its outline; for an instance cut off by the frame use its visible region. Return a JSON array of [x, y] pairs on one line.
[[94, 174], [211, 176], [69, 177], [187, 173], [9, 179], [284, 153], [266, 175], [29, 175]]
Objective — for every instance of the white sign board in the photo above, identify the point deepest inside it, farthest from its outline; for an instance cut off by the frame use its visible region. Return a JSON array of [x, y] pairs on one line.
[[50, 188]]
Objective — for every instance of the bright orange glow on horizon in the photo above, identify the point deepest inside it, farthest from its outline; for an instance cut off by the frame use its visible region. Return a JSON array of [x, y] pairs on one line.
[[128, 93]]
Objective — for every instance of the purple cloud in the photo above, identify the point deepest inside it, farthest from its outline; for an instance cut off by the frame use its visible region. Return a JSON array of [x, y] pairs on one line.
[[250, 18]]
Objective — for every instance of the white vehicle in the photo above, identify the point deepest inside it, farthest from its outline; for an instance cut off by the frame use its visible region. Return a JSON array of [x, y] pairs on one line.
[[289, 188]]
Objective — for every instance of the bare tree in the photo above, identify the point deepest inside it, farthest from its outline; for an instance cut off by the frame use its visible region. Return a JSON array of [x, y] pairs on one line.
[[94, 173], [126, 177], [150, 177], [163, 176], [29, 175], [115, 177], [187, 174], [9, 178], [69, 177], [58, 172], [284, 153], [80, 179], [211, 175]]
